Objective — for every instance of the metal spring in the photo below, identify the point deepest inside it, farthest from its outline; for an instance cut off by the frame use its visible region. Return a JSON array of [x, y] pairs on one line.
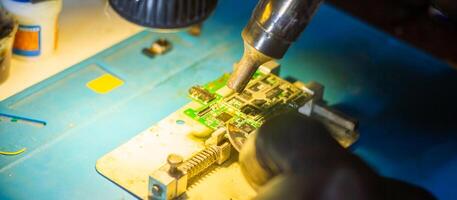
[[200, 161]]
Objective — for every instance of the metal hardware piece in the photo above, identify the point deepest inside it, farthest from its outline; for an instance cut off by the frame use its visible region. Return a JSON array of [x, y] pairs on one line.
[[342, 127], [171, 180], [158, 47]]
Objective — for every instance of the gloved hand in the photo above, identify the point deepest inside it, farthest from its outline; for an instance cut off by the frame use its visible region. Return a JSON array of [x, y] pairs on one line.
[[294, 157]]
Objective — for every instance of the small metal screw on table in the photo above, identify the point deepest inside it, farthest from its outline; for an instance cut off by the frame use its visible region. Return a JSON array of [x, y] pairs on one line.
[[158, 47]]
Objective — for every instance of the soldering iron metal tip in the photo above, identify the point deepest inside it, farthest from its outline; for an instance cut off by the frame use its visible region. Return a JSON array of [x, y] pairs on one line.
[[246, 67]]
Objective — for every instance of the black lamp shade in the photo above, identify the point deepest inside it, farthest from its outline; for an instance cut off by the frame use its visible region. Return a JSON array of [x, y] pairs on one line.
[[164, 14]]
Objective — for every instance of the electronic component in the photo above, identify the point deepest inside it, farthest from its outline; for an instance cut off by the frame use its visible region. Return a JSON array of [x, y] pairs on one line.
[[273, 93], [257, 86], [199, 93], [224, 117], [258, 102], [267, 95], [247, 128], [269, 80], [236, 102], [204, 111], [246, 95], [250, 110]]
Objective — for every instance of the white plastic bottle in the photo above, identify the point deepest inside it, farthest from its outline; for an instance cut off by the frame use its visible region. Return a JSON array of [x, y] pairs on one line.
[[36, 36]]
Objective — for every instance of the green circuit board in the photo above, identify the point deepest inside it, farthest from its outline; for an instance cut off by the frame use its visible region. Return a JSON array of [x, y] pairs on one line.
[[264, 96]]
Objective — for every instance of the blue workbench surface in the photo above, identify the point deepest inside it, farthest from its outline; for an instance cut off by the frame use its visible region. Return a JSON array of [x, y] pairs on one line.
[[403, 98]]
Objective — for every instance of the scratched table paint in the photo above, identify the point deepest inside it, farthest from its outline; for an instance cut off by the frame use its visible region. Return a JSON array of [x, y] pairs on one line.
[[402, 96]]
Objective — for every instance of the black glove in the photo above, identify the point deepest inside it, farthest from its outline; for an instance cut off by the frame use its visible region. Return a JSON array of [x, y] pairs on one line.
[[294, 157]]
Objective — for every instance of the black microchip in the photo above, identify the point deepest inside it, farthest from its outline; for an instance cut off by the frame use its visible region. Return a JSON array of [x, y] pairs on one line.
[[250, 110], [256, 87], [273, 93], [224, 117], [259, 102], [204, 111], [246, 95], [247, 128]]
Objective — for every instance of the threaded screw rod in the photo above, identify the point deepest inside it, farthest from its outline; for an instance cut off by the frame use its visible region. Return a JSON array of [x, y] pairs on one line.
[[200, 161]]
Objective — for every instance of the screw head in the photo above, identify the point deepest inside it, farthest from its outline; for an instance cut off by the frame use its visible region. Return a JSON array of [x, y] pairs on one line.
[[174, 159], [156, 190]]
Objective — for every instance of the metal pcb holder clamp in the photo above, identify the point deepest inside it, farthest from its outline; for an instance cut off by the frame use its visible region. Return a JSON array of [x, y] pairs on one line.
[[225, 119]]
